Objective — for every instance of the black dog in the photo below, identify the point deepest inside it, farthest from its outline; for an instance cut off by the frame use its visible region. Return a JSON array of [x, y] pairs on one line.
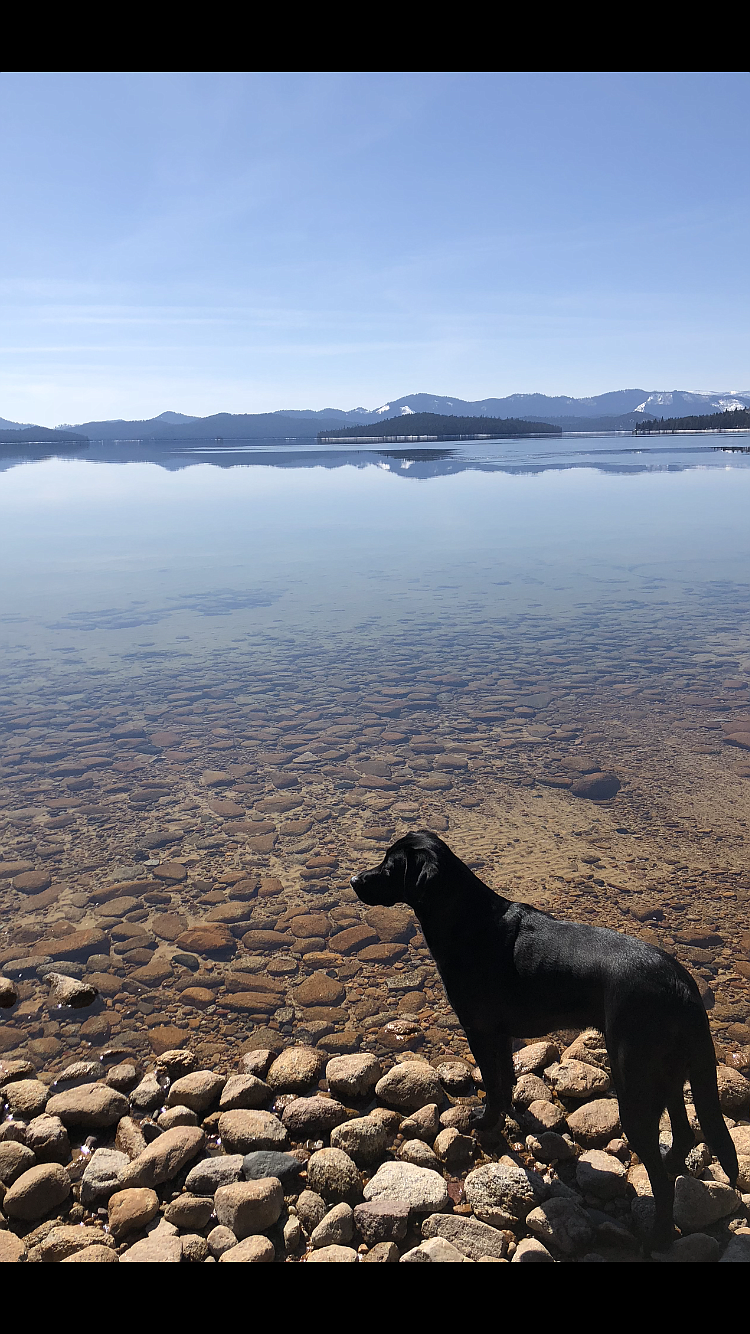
[[512, 971]]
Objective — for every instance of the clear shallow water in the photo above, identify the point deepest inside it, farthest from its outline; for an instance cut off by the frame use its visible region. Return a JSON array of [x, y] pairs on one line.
[[356, 641]]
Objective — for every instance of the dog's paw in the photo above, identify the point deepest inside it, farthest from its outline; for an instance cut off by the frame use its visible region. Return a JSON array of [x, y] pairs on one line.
[[486, 1120]]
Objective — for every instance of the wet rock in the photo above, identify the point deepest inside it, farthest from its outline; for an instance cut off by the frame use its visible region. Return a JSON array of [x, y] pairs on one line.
[[253, 1250], [248, 1207], [436, 1250], [307, 1117], [8, 993], [214, 939], [364, 1138], [472, 1238], [101, 1176], [409, 1086], [332, 1174], [47, 1137], [26, 1098], [353, 1077], [91, 1105], [199, 1091], [244, 1131], [699, 1204], [296, 1068], [561, 1223], [597, 786], [595, 1123], [68, 991], [32, 882], [163, 1159], [578, 1079], [502, 1194], [78, 945], [36, 1192], [318, 989], [267, 1163], [391, 924], [423, 1190], [15, 1159], [599, 1173], [207, 1175]]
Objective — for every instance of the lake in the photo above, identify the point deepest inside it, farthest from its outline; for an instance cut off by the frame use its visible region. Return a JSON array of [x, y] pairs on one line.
[[231, 676]]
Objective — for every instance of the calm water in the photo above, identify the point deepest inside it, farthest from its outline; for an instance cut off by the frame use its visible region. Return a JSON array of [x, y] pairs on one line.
[[352, 642]]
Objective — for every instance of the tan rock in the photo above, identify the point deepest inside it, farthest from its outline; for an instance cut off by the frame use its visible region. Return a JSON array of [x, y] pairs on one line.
[[91, 1106], [253, 1250], [595, 1123], [66, 1240], [36, 1192], [206, 939], [248, 1207], [199, 1091], [131, 1209], [244, 1131], [93, 1255], [168, 1154], [296, 1069]]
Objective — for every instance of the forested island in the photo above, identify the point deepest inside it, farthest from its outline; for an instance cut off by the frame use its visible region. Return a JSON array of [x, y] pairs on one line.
[[734, 419], [437, 426]]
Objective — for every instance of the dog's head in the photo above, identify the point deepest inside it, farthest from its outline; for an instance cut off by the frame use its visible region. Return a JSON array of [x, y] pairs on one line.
[[407, 871]]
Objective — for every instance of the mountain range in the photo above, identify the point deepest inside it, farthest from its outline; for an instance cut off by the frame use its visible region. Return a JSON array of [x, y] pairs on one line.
[[620, 409]]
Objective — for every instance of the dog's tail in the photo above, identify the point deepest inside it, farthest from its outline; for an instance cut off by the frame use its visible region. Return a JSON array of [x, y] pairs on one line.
[[702, 1070]]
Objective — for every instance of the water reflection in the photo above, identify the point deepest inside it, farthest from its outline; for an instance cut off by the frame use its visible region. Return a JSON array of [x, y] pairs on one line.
[[332, 658]]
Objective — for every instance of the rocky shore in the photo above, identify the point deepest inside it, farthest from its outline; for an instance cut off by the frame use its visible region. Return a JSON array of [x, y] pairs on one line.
[[296, 1157]]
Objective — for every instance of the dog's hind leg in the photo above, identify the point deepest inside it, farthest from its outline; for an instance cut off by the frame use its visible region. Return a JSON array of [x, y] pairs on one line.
[[494, 1055], [639, 1117], [683, 1139]]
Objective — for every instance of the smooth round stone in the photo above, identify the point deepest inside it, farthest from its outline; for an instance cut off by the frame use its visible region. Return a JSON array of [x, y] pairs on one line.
[[422, 1189], [265, 1163]]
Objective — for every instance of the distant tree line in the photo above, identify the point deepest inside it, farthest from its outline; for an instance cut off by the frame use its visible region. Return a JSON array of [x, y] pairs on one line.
[[731, 420], [441, 426]]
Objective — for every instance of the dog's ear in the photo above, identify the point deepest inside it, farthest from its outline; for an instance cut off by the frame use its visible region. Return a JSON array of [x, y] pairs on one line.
[[420, 870]]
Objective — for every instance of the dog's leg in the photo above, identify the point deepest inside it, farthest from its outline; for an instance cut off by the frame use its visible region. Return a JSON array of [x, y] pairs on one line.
[[494, 1056], [683, 1139], [639, 1117]]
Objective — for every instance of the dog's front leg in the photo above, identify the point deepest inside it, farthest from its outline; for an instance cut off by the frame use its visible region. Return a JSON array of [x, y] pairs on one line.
[[494, 1056]]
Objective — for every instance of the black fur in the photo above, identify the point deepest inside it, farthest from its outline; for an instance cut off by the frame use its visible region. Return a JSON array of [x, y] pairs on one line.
[[512, 971]]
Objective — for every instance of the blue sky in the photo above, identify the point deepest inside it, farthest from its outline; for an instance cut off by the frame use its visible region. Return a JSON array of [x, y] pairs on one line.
[[247, 242]]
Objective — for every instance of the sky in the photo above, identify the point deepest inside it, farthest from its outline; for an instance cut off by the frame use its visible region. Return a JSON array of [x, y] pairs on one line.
[[253, 242]]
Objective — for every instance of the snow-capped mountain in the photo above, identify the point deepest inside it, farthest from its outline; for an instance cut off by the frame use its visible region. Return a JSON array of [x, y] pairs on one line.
[[683, 402]]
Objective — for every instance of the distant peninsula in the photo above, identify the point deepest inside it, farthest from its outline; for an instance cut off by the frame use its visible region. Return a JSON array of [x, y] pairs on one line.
[[737, 419], [429, 426]]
